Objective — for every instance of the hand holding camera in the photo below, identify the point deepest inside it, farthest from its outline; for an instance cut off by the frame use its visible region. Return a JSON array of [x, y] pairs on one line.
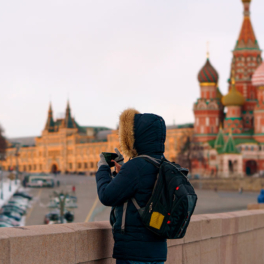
[[112, 159]]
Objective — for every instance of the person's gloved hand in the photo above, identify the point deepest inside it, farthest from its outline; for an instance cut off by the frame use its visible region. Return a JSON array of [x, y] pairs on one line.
[[119, 161], [120, 158], [102, 161]]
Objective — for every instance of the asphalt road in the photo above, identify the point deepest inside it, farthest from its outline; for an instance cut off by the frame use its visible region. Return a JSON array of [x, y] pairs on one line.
[[90, 208]]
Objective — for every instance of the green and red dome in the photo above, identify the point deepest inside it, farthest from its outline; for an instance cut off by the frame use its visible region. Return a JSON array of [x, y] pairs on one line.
[[208, 74]]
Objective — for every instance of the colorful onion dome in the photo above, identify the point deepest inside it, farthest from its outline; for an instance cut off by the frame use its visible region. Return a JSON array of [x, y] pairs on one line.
[[208, 74], [258, 76], [233, 98]]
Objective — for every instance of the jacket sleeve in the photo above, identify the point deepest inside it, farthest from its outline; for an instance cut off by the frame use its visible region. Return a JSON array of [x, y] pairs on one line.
[[115, 191]]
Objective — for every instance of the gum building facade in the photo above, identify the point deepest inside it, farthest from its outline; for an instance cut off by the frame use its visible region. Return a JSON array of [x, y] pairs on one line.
[[65, 146]]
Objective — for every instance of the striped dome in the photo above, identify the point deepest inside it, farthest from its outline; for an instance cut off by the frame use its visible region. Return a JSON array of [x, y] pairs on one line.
[[208, 74], [258, 76]]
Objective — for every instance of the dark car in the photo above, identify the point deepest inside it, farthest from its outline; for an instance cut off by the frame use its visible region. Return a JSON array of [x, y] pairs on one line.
[[4, 218], [52, 216], [12, 214], [14, 208], [5, 225], [24, 195]]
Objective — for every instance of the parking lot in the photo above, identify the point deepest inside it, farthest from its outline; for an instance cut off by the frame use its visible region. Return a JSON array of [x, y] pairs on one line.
[[90, 208]]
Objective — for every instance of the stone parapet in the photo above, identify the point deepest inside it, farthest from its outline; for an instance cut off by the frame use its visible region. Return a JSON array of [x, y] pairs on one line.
[[255, 206], [235, 238], [229, 184]]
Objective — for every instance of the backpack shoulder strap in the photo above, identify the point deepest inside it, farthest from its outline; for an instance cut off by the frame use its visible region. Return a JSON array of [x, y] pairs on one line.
[[153, 161]]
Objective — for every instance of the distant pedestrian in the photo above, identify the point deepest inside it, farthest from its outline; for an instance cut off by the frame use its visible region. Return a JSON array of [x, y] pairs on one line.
[[58, 183], [261, 197], [73, 188]]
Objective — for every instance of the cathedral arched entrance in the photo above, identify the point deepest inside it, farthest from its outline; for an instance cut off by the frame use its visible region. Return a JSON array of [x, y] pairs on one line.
[[251, 167], [54, 168]]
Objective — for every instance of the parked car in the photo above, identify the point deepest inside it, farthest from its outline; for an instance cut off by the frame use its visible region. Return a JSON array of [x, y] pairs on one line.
[[20, 199], [22, 206], [5, 225], [52, 216], [39, 180], [4, 218], [13, 208], [12, 214], [23, 194]]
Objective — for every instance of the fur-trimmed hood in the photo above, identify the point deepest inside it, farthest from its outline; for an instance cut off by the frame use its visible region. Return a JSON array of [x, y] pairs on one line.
[[141, 133]]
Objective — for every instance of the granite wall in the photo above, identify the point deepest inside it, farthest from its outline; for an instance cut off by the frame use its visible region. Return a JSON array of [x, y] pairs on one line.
[[226, 238]]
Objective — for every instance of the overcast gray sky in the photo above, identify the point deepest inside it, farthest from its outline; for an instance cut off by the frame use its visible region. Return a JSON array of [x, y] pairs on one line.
[[107, 55]]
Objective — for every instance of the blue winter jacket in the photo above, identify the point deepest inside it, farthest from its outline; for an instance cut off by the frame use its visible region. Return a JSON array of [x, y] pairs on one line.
[[135, 179]]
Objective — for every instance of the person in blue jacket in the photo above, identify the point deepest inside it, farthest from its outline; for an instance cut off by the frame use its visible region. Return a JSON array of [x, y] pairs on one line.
[[139, 134], [261, 196]]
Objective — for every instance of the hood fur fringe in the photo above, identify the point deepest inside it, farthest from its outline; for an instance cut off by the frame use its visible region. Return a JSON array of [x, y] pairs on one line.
[[126, 132]]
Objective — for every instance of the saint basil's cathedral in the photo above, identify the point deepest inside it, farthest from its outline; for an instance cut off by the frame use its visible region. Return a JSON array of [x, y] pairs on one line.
[[232, 141]]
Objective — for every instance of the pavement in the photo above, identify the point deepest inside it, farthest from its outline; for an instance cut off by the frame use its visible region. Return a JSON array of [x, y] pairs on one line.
[[90, 209]]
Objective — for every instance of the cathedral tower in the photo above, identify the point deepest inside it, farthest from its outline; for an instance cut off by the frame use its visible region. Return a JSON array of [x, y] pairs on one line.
[[208, 109], [258, 82], [246, 58], [234, 100]]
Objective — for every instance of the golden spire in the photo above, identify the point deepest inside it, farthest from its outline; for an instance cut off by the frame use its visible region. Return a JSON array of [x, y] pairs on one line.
[[233, 80], [207, 52]]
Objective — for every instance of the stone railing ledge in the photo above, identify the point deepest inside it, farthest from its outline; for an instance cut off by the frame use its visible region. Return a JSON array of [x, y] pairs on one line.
[[235, 237]]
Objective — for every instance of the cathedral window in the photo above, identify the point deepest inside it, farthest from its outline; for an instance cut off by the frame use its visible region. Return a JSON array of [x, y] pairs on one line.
[[252, 148], [85, 165], [79, 165], [70, 166], [29, 167]]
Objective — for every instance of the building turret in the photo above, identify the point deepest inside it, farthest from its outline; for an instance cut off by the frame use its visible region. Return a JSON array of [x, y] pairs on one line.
[[234, 100], [208, 78], [258, 82], [246, 58], [50, 125], [208, 109], [69, 122]]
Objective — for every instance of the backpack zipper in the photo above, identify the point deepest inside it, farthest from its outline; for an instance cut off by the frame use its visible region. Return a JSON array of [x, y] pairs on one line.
[[150, 207]]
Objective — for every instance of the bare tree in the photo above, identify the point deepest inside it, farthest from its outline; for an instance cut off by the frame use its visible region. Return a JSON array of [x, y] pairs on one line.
[[191, 150], [3, 144]]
